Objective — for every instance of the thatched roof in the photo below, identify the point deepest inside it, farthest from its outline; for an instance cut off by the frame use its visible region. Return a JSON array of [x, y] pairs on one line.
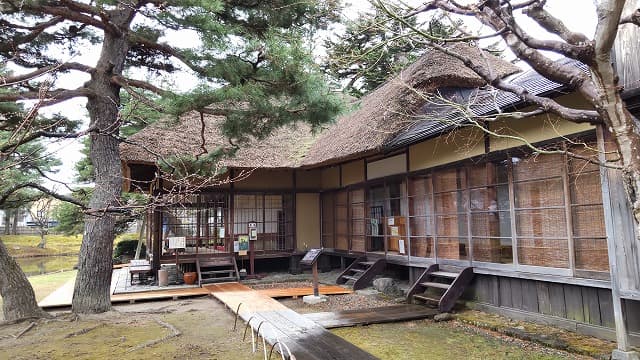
[[389, 109], [381, 115], [284, 148]]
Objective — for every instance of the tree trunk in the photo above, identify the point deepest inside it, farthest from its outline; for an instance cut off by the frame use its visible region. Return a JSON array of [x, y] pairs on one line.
[[16, 217], [19, 300], [43, 240], [92, 291], [7, 221]]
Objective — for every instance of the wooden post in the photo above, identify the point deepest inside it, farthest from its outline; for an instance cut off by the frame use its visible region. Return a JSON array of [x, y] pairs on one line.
[[251, 257], [612, 197], [316, 292]]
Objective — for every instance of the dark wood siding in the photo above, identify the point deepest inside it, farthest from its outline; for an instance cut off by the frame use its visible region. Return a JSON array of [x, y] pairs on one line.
[[579, 303]]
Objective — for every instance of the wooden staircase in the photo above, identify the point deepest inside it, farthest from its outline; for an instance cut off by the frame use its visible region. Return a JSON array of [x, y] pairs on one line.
[[440, 288], [361, 272], [217, 270]]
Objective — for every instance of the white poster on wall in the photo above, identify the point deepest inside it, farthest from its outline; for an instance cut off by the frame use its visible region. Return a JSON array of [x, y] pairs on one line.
[[401, 246], [177, 242]]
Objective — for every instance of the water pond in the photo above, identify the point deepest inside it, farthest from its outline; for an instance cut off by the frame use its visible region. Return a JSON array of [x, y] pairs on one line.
[[46, 264]]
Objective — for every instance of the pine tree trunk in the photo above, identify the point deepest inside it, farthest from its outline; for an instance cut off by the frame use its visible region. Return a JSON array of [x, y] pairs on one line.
[[7, 221], [19, 300], [92, 290]]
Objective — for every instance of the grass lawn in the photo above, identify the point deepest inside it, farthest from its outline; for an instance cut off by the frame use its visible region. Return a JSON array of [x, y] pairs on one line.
[[27, 245], [44, 285]]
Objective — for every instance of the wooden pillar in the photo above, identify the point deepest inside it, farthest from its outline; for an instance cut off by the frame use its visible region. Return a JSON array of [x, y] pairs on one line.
[[315, 279], [619, 228]]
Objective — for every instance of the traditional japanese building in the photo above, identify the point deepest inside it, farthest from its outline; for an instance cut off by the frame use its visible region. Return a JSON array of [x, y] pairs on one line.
[[411, 178]]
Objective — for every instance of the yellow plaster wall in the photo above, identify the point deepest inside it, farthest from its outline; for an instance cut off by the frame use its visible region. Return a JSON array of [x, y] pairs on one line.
[[461, 144], [535, 129], [353, 172], [385, 167], [308, 179], [539, 128], [330, 178], [266, 179], [307, 220]]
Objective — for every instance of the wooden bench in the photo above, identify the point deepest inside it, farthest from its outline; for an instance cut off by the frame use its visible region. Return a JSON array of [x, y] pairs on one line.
[[139, 267]]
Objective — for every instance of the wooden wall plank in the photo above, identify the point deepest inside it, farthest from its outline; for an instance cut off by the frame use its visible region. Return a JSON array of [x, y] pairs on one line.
[[505, 292], [632, 309], [556, 299], [574, 303], [591, 306], [495, 290], [530, 296], [516, 293], [606, 308], [544, 302]]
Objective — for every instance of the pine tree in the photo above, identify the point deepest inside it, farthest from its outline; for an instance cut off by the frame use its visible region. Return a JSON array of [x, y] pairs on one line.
[[370, 50], [247, 54]]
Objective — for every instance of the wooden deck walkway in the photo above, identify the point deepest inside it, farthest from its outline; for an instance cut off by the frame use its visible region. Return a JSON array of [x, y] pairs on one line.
[[306, 339], [303, 291], [385, 314]]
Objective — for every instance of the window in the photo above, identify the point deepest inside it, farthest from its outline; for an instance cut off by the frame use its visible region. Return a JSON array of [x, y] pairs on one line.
[[342, 220], [421, 216], [358, 233], [541, 224], [450, 208], [273, 215], [202, 220], [589, 237], [489, 210]]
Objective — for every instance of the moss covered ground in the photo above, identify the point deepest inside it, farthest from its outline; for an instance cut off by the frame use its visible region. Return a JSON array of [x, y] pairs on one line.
[[204, 326], [427, 340]]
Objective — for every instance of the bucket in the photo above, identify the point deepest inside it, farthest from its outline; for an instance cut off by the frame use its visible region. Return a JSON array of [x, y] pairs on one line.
[[163, 278]]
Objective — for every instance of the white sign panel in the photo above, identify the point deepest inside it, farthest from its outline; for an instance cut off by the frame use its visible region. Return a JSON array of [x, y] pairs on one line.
[[401, 246], [178, 242]]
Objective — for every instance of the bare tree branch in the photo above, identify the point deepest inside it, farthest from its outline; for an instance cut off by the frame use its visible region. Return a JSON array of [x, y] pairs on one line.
[[553, 24], [633, 18]]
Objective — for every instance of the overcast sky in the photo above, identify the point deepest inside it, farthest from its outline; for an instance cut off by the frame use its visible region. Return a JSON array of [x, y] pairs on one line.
[[579, 15]]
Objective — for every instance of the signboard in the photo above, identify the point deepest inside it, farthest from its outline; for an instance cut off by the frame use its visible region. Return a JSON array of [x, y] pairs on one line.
[[177, 242], [401, 247], [311, 257], [253, 231], [243, 244]]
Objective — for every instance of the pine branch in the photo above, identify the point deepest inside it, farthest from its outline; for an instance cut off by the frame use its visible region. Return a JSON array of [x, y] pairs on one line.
[[12, 80], [42, 133], [42, 189], [50, 97]]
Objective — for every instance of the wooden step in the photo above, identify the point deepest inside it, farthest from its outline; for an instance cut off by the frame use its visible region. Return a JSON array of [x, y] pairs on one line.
[[217, 272], [354, 278], [444, 274], [219, 279], [358, 270], [366, 263], [426, 298], [436, 285]]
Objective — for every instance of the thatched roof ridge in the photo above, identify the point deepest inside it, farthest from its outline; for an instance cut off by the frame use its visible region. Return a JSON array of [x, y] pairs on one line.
[[284, 148], [389, 109]]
